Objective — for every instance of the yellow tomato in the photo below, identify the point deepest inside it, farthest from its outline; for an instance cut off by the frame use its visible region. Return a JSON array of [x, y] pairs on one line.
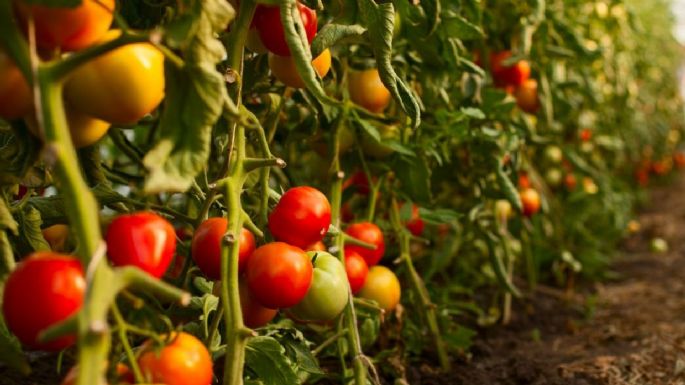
[[15, 93], [85, 130], [382, 286], [283, 68], [120, 86], [367, 90]]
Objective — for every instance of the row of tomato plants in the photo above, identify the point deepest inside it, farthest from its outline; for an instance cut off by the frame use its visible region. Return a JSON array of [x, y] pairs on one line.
[[440, 131]]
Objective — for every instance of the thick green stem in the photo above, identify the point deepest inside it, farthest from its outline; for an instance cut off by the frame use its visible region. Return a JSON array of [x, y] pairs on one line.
[[429, 308], [350, 316]]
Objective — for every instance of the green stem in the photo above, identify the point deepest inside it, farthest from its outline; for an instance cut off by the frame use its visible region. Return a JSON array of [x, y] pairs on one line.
[[429, 308], [123, 337], [350, 316]]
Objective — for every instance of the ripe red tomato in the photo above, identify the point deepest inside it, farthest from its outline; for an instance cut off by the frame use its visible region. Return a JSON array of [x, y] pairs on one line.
[[44, 289], [527, 96], [530, 200], [254, 314], [369, 233], [15, 93], [356, 269], [267, 19], [512, 75], [679, 159], [524, 181], [279, 275], [142, 239], [184, 361], [206, 247], [570, 181], [585, 135], [69, 28], [415, 224], [367, 90], [383, 287], [283, 68], [301, 217], [359, 181], [642, 176]]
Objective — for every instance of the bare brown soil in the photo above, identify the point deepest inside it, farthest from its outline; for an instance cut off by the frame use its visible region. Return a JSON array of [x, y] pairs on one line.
[[627, 331]]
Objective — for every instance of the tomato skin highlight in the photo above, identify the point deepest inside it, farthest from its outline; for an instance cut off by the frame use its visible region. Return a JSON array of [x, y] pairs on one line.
[[15, 93], [369, 233], [267, 20], [356, 269], [184, 361], [329, 292], [44, 289], [383, 287], [71, 29], [120, 86], [206, 247], [279, 275], [530, 199], [301, 217], [142, 239], [367, 90], [283, 68]]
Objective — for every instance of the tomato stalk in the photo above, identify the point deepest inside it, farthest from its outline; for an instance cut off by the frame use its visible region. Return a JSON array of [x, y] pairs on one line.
[[349, 314], [429, 308]]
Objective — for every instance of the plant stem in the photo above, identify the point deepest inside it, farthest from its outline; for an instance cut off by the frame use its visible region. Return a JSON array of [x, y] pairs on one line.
[[350, 316], [123, 330], [419, 286]]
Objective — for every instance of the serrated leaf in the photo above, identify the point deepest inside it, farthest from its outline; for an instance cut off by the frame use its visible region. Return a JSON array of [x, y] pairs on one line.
[[331, 33], [266, 358], [194, 102], [29, 233]]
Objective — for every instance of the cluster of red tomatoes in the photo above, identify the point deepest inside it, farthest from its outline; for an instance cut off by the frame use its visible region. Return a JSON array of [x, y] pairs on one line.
[[515, 79], [93, 94]]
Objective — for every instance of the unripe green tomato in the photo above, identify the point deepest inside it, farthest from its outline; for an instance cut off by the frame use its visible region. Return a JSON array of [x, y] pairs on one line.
[[329, 292], [376, 149], [553, 176], [553, 154]]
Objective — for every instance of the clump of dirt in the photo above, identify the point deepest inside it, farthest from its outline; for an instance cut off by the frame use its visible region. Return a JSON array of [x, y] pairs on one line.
[[628, 331]]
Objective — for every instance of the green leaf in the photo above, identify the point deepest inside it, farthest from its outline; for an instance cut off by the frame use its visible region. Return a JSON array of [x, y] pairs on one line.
[[265, 357], [379, 19], [332, 33], [30, 236], [415, 176], [194, 102], [459, 27], [438, 216]]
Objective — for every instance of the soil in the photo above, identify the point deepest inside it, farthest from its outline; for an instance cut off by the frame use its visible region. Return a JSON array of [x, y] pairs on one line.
[[627, 331]]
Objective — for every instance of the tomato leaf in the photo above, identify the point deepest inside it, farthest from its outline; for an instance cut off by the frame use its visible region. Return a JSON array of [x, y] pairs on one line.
[[380, 21], [457, 26], [194, 102], [30, 238], [266, 358], [331, 34], [415, 176]]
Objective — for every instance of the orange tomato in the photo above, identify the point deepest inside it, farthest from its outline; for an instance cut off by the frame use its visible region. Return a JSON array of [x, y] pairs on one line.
[[283, 68], [85, 130], [382, 286], [68, 28], [530, 199], [184, 361], [527, 96], [56, 236], [367, 90]]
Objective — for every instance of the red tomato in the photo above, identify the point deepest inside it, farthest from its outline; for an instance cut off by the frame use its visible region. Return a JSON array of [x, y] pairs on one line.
[[69, 28], [301, 217], [530, 200], [206, 247], [318, 246], [184, 361], [524, 181], [267, 19], [359, 181], [254, 314], [356, 269], [44, 289], [679, 159], [346, 213], [570, 181], [527, 96], [369, 233], [512, 75], [415, 224], [642, 176], [585, 135], [279, 275], [142, 239]]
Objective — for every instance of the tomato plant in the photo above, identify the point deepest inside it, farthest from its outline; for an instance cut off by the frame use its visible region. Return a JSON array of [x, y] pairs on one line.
[[142, 239], [206, 246], [301, 217], [183, 361], [54, 285], [279, 275]]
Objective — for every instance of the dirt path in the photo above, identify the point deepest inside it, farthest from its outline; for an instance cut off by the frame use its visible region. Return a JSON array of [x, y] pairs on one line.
[[631, 331]]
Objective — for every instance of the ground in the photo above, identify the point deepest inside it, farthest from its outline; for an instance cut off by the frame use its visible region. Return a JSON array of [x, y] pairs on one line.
[[633, 332]]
